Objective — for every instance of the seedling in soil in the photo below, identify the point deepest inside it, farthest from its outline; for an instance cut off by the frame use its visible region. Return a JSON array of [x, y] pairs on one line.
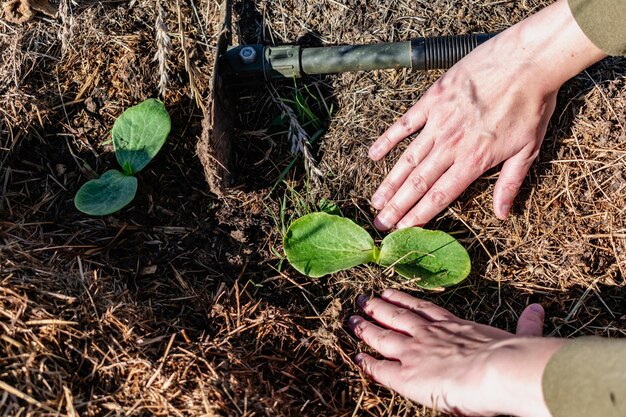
[[138, 135], [319, 244]]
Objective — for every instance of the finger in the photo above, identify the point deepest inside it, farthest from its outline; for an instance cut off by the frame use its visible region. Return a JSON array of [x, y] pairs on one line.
[[387, 342], [445, 190], [425, 309], [530, 322], [416, 185], [382, 371], [412, 121], [392, 316], [510, 180], [410, 159]]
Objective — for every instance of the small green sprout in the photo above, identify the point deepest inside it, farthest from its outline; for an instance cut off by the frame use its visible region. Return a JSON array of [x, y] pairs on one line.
[[319, 244], [138, 135]]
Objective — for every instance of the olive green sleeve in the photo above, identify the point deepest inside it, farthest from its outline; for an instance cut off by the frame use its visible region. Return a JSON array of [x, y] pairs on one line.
[[604, 23], [587, 377]]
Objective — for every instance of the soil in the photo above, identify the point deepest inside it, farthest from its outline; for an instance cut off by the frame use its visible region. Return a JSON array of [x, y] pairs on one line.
[[182, 303]]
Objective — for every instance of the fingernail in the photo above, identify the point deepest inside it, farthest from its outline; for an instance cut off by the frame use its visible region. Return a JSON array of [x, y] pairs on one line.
[[381, 222], [354, 321], [358, 359], [378, 201], [505, 209], [387, 293], [374, 152], [536, 308], [362, 300]]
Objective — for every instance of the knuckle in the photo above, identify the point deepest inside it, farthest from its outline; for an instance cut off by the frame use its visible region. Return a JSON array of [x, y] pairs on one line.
[[366, 365], [405, 124], [370, 367], [410, 159], [513, 186], [419, 305], [438, 198], [371, 307], [398, 312], [412, 219], [387, 142], [393, 208], [382, 337], [360, 328], [454, 138], [398, 315], [418, 183], [481, 159], [438, 88], [387, 186]]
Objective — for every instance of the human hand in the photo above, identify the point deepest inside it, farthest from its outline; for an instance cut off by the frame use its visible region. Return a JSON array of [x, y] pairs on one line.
[[493, 106], [454, 365]]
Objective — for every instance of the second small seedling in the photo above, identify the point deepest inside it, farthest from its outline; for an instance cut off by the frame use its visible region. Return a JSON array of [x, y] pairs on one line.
[[138, 135]]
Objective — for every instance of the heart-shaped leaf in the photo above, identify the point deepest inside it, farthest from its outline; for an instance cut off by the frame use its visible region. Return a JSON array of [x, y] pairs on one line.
[[107, 194], [433, 257], [139, 133], [319, 244]]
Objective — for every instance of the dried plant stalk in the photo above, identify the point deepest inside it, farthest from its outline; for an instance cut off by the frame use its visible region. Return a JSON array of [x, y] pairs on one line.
[[190, 67], [299, 141], [164, 47], [67, 22]]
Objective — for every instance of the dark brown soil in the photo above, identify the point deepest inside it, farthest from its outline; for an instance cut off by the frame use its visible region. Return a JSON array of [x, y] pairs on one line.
[[182, 304]]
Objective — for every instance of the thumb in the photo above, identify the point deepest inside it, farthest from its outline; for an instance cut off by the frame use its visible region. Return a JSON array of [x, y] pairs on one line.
[[530, 322], [509, 182]]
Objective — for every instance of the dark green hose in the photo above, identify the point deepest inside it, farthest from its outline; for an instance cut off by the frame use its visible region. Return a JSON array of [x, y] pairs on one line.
[[252, 63]]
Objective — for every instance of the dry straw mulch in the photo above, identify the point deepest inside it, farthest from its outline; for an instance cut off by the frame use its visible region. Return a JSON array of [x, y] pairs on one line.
[[180, 305]]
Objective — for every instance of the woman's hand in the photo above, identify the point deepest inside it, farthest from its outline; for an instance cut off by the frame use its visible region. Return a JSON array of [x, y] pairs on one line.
[[493, 106], [455, 365]]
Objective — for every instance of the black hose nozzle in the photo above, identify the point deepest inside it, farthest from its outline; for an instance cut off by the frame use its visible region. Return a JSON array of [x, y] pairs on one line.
[[443, 52]]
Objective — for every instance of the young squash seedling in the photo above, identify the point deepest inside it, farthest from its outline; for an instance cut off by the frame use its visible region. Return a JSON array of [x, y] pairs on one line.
[[320, 243], [138, 135]]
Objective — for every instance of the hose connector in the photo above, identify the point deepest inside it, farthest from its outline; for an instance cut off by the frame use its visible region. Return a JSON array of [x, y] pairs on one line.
[[442, 52]]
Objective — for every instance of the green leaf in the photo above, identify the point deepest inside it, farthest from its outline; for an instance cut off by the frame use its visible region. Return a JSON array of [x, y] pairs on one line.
[[107, 194], [434, 257], [319, 244], [139, 133]]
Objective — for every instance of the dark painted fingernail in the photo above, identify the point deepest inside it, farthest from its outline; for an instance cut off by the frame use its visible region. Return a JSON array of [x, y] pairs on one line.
[[536, 308], [362, 300], [354, 321], [381, 222], [358, 359]]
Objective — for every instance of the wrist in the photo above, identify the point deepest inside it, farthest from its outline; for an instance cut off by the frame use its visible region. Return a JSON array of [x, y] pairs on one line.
[[514, 373], [550, 46]]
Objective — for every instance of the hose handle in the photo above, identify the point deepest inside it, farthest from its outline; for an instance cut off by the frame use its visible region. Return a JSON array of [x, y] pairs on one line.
[[442, 52]]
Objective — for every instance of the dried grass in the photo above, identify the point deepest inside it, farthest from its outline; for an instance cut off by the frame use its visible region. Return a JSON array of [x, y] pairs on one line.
[[177, 306], [164, 47]]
